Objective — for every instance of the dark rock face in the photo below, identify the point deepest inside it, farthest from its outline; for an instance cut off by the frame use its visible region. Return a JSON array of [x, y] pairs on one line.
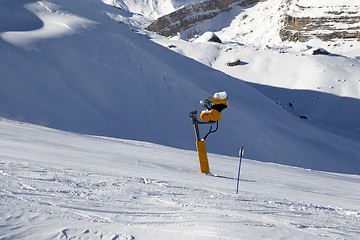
[[321, 51], [234, 63], [215, 38], [302, 29]]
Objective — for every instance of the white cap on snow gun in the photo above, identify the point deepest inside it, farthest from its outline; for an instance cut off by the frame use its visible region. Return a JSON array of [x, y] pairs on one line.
[[220, 95]]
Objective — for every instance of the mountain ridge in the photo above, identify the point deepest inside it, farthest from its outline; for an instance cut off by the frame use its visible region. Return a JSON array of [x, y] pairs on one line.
[[339, 21]]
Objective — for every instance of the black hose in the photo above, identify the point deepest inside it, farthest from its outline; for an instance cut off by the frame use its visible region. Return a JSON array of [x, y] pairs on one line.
[[217, 126]]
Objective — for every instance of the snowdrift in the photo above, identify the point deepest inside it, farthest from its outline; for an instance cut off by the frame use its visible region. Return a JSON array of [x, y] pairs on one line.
[[92, 75]]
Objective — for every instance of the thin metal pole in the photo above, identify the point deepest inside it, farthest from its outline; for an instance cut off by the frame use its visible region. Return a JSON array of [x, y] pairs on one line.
[[196, 124], [238, 178], [197, 132]]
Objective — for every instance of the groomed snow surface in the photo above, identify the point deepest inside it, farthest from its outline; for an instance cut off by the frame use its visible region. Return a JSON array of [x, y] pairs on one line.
[[60, 185], [68, 65], [101, 77]]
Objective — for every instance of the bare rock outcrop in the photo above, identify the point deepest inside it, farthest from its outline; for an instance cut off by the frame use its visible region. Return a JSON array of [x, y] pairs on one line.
[[326, 22]]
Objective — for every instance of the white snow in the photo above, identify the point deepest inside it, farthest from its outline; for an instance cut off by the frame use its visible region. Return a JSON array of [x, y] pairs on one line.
[[60, 185], [255, 25], [152, 9], [106, 79], [287, 73], [56, 23], [68, 65], [204, 38], [140, 13], [220, 95], [205, 111]]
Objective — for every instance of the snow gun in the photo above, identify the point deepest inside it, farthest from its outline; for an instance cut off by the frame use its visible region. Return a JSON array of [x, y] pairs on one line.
[[214, 105]]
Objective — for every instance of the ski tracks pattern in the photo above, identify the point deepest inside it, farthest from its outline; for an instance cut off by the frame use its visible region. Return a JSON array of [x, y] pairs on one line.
[[48, 191]]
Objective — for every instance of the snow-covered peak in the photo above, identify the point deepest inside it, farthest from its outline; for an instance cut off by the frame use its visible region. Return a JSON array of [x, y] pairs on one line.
[[151, 9]]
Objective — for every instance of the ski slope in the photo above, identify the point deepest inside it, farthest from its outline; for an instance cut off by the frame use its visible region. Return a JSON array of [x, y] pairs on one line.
[[68, 65], [61, 185], [121, 103]]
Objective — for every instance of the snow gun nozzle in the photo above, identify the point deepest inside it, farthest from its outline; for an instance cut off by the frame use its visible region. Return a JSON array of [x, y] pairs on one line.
[[214, 105], [207, 103], [193, 116]]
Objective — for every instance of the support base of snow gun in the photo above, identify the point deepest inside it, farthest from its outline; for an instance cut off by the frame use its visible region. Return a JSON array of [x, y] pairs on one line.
[[201, 143]]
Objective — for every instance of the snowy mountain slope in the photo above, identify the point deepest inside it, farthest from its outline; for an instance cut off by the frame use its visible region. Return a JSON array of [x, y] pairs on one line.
[[325, 89], [251, 34], [146, 9], [54, 23], [316, 81], [264, 22], [99, 77], [60, 185], [191, 15], [141, 13]]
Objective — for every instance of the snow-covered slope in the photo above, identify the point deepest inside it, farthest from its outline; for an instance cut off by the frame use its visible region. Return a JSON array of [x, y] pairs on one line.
[[304, 84], [150, 9], [268, 22], [251, 34], [90, 74], [68, 65], [60, 185], [140, 13]]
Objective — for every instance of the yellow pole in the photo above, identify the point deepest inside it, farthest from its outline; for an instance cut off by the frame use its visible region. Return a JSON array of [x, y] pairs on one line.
[[203, 160]]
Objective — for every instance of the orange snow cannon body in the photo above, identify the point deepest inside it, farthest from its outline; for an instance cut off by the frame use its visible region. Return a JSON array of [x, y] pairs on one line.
[[214, 107], [210, 115]]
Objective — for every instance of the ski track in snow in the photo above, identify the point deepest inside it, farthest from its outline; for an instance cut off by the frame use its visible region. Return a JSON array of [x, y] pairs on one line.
[[101, 74], [56, 185], [154, 193], [104, 198]]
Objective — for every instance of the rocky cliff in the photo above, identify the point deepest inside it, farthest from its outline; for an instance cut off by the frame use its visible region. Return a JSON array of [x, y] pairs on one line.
[[193, 14], [300, 20], [304, 20]]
